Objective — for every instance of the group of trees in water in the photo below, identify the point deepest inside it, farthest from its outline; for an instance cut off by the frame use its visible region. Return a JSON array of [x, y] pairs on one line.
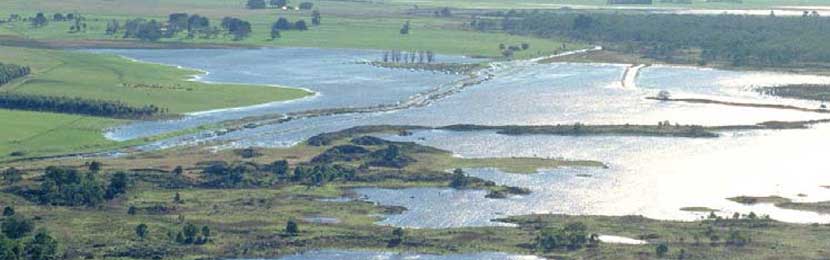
[[75, 105], [396, 56], [9, 72], [738, 39]]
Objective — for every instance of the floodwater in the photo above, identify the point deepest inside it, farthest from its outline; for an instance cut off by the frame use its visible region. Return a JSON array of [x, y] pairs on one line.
[[333, 74], [348, 255], [650, 176]]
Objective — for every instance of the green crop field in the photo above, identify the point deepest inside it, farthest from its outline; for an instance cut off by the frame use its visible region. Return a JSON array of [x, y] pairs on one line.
[[34, 133], [109, 77], [78, 74]]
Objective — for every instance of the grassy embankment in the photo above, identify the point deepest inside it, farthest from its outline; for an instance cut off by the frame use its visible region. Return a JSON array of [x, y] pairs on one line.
[[106, 77], [249, 221]]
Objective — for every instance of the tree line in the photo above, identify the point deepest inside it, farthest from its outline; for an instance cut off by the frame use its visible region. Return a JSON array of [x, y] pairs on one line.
[[81, 106], [194, 25], [737, 39], [9, 72]]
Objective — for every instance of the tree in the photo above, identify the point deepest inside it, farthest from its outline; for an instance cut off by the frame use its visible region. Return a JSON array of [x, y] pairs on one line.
[[583, 22], [15, 227], [306, 5], [397, 237], [405, 28], [10, 249], [300, 25], [39, 20], [141, 231], [663, 95], [279, 3], [206, 231], [177, 22], [282, 24], [190, 232], [118, 185], [279, 168], [240, 29], [12, 175], [291, 228], [178, 170], [459, 180], [572, 236], [316, 18], [42, 247], [275, 32], [661, 250], [8, 211], [178, 198], [256, 4]]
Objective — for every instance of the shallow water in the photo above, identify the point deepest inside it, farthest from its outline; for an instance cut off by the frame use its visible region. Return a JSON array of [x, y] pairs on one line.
[[332, 73], [648, 176], [562, 94], [343, 255]]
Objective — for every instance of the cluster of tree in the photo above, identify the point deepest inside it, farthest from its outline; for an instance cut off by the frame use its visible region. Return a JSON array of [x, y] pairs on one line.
[[508, 51], [190, 235], [397, 237], [408, 57], [320, 174], [40, 20], [459, 179], [70, 105], [240, 29], [283, 24], [572, 236], [14, 244], [405, 28], [139, 28], [443, 12], [741, 40], [69, 187], [194, 25], [262, 4], [9, 72]]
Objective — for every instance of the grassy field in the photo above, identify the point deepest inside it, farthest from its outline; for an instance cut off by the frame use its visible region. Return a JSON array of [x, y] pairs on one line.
[[345, 25], [35, 133], [108, 77]]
